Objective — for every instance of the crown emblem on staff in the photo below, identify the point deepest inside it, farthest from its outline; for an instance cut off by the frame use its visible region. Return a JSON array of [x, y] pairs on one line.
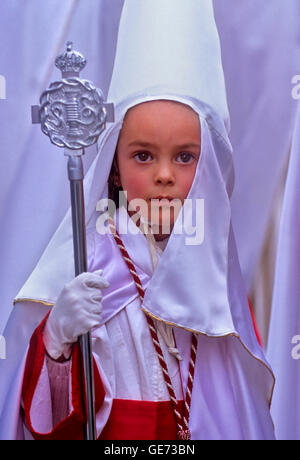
[[70, 62]]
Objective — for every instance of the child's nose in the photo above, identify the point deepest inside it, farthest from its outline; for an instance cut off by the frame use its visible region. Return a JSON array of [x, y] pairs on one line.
[[164, 175]]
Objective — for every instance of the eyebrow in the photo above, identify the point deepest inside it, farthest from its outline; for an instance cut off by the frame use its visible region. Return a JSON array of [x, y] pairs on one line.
[[144, 144]]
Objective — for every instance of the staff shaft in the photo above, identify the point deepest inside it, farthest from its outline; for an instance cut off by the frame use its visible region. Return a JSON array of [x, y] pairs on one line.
[[75, 174]]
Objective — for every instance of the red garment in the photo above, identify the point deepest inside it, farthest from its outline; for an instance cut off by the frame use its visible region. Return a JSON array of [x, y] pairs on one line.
[[129, 420], [146, 420]]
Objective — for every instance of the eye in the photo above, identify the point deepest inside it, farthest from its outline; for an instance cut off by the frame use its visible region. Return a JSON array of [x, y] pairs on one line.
[[186, 157], [142, 157]]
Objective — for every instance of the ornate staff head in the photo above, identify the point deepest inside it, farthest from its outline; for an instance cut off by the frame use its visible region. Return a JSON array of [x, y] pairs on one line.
[[72, 111]]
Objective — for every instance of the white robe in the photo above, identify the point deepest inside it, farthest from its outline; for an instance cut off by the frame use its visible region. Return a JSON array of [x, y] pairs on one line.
[[227, 400]]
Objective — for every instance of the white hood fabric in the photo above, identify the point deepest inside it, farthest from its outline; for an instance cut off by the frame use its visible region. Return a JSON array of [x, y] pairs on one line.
[[167, 50]]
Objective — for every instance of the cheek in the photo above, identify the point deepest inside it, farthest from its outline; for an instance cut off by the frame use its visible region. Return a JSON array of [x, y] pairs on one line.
[[134, 183], [186, 181]]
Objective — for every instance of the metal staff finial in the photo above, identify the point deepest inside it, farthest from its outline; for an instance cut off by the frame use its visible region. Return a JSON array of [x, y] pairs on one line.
[[73, 113], [71, 62]]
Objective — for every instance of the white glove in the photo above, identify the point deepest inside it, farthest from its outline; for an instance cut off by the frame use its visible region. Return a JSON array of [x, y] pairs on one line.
[[77, 310]]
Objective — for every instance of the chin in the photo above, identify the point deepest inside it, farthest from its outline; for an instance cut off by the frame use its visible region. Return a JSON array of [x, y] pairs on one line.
[[162, 227]]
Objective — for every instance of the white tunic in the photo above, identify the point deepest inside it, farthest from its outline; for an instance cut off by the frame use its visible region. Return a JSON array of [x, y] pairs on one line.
[[224, 401]]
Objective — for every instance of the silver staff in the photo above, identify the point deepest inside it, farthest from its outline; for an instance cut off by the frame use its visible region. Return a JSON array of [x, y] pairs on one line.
[[72, 112]]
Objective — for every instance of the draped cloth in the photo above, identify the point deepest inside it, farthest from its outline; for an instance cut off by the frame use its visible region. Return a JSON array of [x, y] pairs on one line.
[[228, 383], [283, 341]]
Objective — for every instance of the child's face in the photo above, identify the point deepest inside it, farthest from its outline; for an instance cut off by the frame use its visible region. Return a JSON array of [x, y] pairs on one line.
[[158, 150]]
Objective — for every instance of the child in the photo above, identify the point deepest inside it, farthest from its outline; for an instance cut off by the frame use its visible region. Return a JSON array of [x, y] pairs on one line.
[[174, 349]]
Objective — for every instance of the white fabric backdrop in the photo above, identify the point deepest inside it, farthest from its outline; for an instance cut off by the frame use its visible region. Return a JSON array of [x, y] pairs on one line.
[[261, 43]]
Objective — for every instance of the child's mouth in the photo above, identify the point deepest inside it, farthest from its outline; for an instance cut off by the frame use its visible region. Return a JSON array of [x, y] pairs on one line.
[[164, 198]]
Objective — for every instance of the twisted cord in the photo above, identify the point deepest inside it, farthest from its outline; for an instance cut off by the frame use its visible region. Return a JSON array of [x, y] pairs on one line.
[[182, 420]]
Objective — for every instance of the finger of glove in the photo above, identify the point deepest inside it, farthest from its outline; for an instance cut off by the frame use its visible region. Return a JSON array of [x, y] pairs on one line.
[[92, 320], [89, 304], [99, 273], [96, 281], [87, 279], [86, 326], [96, 308], [97, 298]]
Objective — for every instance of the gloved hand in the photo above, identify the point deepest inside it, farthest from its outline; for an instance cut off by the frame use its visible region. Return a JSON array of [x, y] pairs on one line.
[[77, 309]]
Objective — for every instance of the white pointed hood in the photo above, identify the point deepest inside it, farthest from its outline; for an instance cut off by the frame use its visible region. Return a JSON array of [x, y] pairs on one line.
[[170, 47]]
